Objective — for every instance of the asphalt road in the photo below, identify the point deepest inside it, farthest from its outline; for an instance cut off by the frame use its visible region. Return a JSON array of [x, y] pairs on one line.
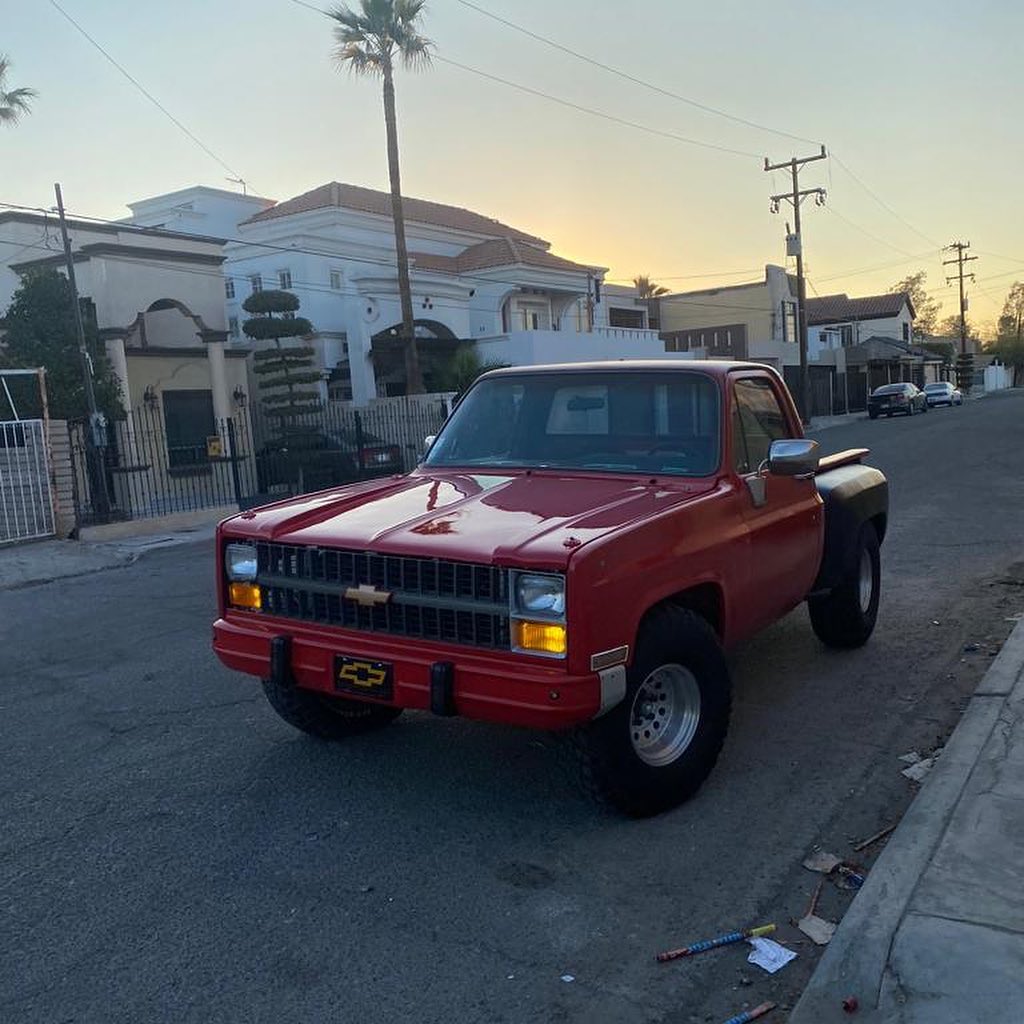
[[170, 851]]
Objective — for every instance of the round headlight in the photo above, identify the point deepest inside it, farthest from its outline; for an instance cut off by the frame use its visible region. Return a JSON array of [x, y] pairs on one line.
[[541, 594], [240, 562]]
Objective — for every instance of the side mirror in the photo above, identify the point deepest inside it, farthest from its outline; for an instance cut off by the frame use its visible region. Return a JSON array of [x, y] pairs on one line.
[[796, 457], [428, 441]]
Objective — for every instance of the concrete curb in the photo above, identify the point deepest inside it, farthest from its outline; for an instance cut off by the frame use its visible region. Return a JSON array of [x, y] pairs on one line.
[[855, 961], [33, 565]]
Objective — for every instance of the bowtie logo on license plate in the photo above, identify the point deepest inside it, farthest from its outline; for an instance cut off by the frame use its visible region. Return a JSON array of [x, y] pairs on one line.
[[363, 677], [367, 596]]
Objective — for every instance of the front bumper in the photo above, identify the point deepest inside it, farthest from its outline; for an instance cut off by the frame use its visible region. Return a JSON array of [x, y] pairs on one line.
[[492, 686]]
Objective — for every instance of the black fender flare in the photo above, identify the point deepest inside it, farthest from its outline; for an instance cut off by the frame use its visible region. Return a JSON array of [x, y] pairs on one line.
[[852, 495]]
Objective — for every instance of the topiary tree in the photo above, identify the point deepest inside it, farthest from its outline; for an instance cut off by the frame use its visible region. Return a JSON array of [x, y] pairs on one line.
[[284, 372]]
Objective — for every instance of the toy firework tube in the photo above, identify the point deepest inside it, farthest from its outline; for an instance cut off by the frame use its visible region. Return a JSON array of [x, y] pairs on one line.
[[749, 1015], [722, 940]]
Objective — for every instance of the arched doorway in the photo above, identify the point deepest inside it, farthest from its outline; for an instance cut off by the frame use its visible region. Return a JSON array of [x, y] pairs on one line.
[[436, 344]]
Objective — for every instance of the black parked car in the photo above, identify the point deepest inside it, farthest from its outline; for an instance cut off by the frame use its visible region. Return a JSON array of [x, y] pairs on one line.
[[905, 399], [310, 460]]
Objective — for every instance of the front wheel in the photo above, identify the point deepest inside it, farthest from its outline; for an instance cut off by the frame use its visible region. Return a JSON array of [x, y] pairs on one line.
[[654, 749], [845, 617], [327, 718]]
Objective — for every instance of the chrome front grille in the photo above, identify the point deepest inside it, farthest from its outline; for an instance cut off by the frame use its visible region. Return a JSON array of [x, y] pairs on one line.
[[429, 598]]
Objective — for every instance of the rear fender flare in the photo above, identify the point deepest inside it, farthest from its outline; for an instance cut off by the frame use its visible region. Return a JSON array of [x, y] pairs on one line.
[[853, 496]]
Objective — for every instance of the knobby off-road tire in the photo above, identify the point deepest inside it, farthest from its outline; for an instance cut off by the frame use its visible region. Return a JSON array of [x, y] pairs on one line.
[[654, 749], [327, 718], [845, 617]]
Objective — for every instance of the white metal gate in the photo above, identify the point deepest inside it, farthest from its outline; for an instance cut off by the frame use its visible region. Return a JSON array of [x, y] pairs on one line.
[[26, 497]]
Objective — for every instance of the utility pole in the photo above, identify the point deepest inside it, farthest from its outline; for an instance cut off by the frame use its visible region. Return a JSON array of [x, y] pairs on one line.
[[796, 197], [95, 436], [965, 361]]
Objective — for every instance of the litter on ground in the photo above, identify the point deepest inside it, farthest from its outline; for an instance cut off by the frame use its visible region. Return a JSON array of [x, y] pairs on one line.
[[817, 929], [769, 955], [871, 840], [749, 1015], [823, 862], [917, 772]]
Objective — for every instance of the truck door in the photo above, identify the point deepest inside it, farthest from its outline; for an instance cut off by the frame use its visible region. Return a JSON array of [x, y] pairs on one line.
[[783, 513]]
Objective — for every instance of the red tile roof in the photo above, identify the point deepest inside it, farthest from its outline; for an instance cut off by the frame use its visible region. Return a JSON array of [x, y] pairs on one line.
[[496, 252], [368, 200], [831, 309]]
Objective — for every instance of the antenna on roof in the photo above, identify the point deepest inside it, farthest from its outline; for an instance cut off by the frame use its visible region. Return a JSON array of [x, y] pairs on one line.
[[239, 181]]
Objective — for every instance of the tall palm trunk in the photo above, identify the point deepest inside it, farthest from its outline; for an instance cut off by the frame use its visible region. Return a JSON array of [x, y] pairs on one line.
[[414, 382]]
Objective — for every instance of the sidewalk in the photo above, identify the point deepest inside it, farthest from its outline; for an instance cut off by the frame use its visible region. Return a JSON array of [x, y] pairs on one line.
[[937, 933], [24, 565]]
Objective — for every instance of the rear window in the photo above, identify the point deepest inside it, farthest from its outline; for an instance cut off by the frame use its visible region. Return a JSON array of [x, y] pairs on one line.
[[890, 389], [938, 387]]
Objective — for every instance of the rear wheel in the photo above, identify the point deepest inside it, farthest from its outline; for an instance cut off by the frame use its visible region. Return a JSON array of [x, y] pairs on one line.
[[872, 415], [655, 748], [845, 617], [327, 718]]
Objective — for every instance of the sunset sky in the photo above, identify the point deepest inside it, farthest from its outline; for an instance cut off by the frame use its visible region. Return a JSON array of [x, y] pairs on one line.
[[920, 101]]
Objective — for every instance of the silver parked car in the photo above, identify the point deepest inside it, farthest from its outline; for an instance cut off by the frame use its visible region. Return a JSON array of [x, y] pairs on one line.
[[943, 393]]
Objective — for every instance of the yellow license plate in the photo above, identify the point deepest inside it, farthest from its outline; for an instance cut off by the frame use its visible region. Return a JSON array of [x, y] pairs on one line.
[[363, 678]]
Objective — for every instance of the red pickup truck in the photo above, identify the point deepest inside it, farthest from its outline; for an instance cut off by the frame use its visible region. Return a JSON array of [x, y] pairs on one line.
[[575, 551]]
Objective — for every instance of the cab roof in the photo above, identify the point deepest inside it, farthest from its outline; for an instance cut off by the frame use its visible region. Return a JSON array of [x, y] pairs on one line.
[[714, 367]]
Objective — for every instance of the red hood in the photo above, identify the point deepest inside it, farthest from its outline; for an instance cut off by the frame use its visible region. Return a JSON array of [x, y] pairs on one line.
[[524, 518]]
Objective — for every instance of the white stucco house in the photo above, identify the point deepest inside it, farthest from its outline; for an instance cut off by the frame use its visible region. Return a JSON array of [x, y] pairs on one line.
[[474, 280], [156, 297]]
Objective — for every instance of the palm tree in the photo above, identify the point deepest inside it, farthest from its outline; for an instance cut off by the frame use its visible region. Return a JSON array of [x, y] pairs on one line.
[[16, 102], [647, 289], [370, 42]]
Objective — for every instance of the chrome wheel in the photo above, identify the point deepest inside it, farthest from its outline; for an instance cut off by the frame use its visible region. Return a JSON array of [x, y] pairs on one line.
[[665, 713], [866, 580]]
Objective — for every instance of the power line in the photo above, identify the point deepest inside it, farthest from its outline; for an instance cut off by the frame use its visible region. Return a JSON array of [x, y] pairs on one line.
[[330, 254], [313, 286], [881, 202], [571, 104], [625, 122], [686, 277], [597, 113], [631, 78], [149, 96], [690, 102], [996, 256], [864, 231], [873, 267]]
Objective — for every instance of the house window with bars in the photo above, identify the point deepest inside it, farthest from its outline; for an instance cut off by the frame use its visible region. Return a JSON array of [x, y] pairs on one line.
[[284, 278], [229, 288], [256, 282]]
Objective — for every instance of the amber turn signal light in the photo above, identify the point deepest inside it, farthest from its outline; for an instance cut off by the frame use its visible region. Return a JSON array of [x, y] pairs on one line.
[[245, 595], [542, 637]]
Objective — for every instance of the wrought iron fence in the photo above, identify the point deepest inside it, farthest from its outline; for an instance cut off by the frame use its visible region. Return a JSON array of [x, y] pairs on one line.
[[144, 465], [135, 469], [26, 497], [338, 443]]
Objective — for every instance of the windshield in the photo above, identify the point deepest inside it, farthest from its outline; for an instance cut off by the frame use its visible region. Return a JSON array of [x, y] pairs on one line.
[[938, 387], [630, 422]]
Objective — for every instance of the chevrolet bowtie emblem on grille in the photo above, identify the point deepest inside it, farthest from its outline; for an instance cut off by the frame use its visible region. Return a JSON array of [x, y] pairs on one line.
[[367, 595]]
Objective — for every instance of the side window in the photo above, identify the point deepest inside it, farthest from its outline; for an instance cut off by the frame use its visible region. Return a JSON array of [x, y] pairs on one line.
[[757, 420]]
